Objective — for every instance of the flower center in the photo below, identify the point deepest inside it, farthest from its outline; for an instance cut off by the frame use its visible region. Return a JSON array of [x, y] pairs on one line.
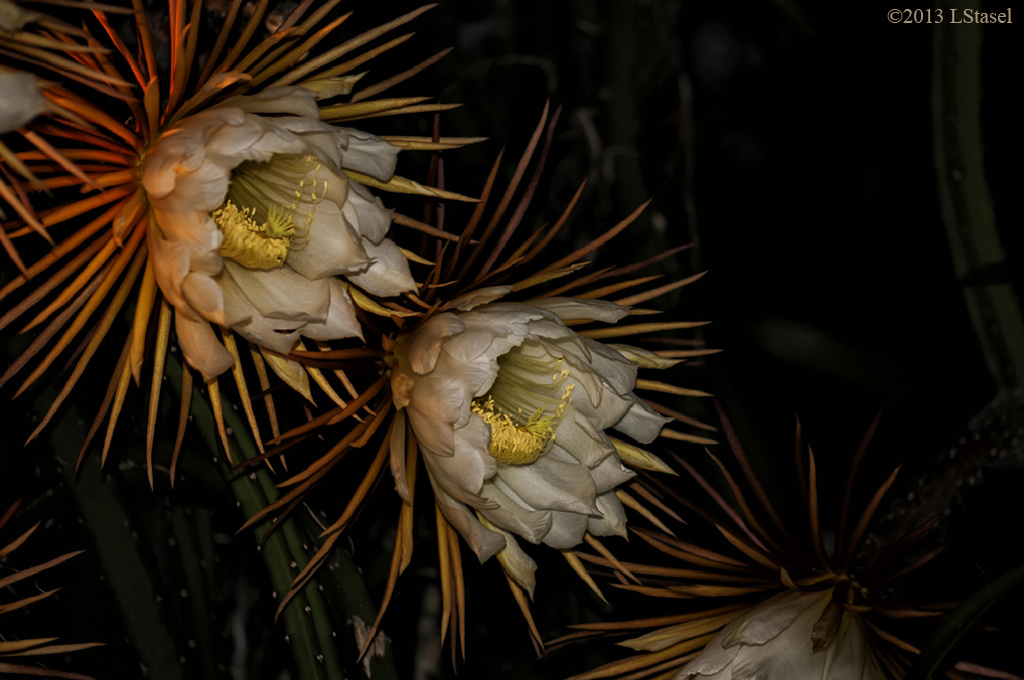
[[262, 214], [524, 406]]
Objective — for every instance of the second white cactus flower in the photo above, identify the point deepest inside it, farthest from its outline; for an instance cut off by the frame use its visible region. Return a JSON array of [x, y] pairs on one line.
[[511, 407]]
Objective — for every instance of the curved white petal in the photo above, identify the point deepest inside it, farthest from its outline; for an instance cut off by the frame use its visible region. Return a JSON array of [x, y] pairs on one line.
[[332, 248], [341, 321], [712, 660], [293, 100], [277, 335], [550, 484], [518, 564], [365, 210], [273, 334], [205, 296], [612, 521], [481, 540], [514, 515], [610, 474], [369, 155], [567, 529], [21, 101], [771, 618], [478, 297], [170, 266], [388, 274], [618, 371], [201, 347], [641, 423], [434, 417], [483, 338], [423, 348], [14, 18], [282, 293], [578, 435], [575, 308], [462, 474]]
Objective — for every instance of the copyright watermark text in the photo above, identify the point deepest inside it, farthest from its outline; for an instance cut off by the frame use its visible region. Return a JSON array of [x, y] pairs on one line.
[[949, 16]]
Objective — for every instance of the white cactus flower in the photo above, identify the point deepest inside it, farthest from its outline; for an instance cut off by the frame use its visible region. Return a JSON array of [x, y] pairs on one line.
[[254, 218], [782, 639], [510, 408]]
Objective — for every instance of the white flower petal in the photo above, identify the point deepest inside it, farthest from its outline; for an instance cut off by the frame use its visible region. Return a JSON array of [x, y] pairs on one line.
[[641, 423], [610, 474], [293, 100], [567, 529], [850, 653], [282, 293], [14, 18], [234, 142], [205, 296], [182, 149], [434, 403], [612, 521], [473, 379], [481, 540], [773, 642], [370, 155], [462, 474], [201, 348], [388, 274], [277, 335], [482, 340], [478, 297], [551, 484], [273, 334], [573, 308], [333, 248], [604, 407], [618, 371], [341, 319], [365, 210], [581, 438], [424, 347], [513, 514], [170, 266], [237, 308], [518, 564], [21, 101], [711, 661]]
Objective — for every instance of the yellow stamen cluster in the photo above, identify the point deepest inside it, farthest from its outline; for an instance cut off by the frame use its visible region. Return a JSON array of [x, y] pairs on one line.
[[259, 230], [515, 442], [252, 244]]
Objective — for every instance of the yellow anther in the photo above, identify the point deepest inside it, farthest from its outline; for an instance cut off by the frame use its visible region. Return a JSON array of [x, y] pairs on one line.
[[251, 244], [515, 442], [511, 443]]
